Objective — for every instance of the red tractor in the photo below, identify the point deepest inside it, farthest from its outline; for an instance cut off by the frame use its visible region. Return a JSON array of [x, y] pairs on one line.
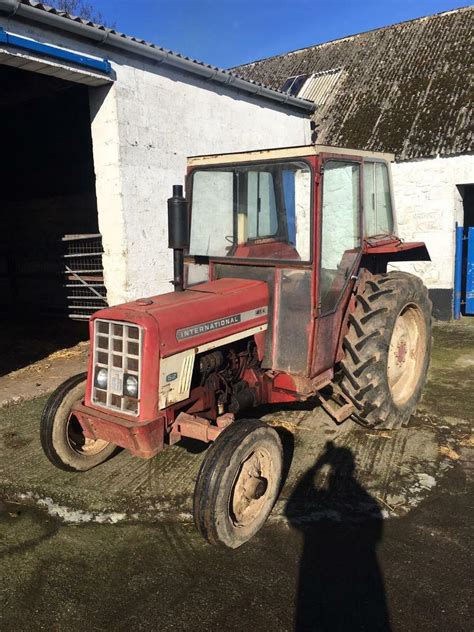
[[281, 294]]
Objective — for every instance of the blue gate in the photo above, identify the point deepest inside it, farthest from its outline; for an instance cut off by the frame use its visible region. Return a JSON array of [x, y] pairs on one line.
[[470, 272]]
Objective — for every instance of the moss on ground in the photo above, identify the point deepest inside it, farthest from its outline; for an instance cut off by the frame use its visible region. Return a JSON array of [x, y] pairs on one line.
[[450, 387]]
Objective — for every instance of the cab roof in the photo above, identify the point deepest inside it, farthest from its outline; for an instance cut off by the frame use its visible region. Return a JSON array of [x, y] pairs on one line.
[[284, 152]]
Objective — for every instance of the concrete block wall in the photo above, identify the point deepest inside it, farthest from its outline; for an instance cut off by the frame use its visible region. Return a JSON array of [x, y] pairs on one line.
[[428, 204], [164, 116]]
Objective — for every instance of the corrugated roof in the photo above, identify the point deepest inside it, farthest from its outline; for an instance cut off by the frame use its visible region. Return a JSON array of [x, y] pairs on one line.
[[320, 86], [22, 8], [404, 88]]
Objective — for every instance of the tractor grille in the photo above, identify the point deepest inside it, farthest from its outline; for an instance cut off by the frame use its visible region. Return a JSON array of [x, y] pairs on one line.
[[118, 349]]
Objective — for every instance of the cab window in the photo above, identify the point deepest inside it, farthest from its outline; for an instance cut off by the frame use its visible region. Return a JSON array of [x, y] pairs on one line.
[[260, 211], [340, 232], [378, 214]]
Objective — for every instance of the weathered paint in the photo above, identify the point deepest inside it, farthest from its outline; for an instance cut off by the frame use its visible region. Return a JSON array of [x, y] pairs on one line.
[[176, 370], [285, 152]]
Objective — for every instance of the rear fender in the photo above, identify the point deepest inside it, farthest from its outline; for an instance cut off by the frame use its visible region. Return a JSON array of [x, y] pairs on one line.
[[376, 256], [374, 260]]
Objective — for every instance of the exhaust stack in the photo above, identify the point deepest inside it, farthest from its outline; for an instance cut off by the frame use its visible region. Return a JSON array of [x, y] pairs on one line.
[[178, 234]]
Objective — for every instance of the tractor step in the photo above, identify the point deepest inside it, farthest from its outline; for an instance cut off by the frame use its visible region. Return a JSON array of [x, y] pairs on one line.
[[338, 405]]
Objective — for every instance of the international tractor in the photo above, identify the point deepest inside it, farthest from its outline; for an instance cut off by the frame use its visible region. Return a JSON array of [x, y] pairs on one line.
[[282, 292]]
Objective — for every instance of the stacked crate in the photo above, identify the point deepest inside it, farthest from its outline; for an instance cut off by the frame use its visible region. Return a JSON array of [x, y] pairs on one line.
[[84, 275]]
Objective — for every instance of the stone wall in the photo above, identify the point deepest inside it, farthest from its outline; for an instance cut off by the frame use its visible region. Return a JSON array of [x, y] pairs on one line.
[[428, 204]]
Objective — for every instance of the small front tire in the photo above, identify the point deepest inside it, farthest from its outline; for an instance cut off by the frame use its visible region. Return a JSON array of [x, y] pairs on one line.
[[238, 483], [61, 434]]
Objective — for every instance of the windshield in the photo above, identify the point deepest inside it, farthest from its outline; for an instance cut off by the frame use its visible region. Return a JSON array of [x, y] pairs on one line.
[[261, 211]]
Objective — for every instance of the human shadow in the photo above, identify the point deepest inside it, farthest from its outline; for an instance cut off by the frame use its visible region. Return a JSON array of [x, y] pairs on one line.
[[341, 587]]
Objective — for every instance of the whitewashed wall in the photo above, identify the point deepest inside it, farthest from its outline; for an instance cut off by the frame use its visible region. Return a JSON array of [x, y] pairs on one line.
[[163, 117], [428, 205]]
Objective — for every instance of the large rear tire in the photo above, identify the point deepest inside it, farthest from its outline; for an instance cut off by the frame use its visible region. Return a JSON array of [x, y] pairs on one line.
[[387, 350], [61, 435], [238, 483]]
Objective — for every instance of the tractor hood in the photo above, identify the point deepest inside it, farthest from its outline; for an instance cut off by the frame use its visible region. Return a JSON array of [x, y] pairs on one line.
[[199, 315]]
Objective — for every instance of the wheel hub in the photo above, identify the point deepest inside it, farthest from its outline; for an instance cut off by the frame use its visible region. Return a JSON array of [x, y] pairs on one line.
[[406, 353], [250, 487], [79, 442], [255, 487], [401, 352]]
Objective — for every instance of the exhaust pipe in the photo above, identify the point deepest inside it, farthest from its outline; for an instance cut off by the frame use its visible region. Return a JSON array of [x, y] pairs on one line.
[[178, 234]]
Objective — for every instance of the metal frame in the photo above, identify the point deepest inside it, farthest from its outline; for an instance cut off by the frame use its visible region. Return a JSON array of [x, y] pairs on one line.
[[458, 272], [361, 221], [292, 153], [288, 263], [83, 270], [25, 43]]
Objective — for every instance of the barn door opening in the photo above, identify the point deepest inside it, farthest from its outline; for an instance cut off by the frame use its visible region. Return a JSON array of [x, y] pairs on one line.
[[50, 246]]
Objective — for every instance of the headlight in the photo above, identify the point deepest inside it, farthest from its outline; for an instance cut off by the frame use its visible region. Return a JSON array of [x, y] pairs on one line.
[[131, 386], [101, 378]]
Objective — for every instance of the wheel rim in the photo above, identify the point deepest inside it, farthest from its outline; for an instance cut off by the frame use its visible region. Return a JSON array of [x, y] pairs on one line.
[[252, 487], [80, 443], [406, 353]]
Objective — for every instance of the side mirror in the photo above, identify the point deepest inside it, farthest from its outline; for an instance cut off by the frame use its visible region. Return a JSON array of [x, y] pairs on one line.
[[178, 234], [178, 220]]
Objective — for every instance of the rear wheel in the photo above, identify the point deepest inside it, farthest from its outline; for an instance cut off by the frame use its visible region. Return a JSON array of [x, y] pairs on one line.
[[387, 350], [61, 434], [238, 483]]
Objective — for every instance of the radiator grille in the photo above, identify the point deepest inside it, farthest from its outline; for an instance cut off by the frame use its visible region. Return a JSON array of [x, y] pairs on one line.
[[118, 349]]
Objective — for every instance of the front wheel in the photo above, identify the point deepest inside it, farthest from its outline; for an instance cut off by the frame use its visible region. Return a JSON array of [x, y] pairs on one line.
[[238, 483], [62, 438], [387, 350]]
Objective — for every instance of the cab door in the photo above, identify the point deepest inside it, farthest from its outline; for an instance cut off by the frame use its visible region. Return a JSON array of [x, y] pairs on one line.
[[339, 247]]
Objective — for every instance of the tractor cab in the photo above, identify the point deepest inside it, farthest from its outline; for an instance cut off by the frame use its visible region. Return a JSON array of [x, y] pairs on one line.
[[298, 219]]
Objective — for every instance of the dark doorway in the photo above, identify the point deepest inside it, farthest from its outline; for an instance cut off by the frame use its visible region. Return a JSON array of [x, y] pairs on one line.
[[467, 283], [47, 192], [468, 205]]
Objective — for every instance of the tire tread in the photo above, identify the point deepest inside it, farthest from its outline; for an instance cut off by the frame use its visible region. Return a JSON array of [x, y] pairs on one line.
[[366, 344]]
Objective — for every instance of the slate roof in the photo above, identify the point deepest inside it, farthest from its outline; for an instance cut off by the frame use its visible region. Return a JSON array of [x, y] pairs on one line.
[[405, 88]]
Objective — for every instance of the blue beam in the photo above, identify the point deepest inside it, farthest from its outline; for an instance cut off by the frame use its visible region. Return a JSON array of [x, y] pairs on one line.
[[458, 272], [102, 65]]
